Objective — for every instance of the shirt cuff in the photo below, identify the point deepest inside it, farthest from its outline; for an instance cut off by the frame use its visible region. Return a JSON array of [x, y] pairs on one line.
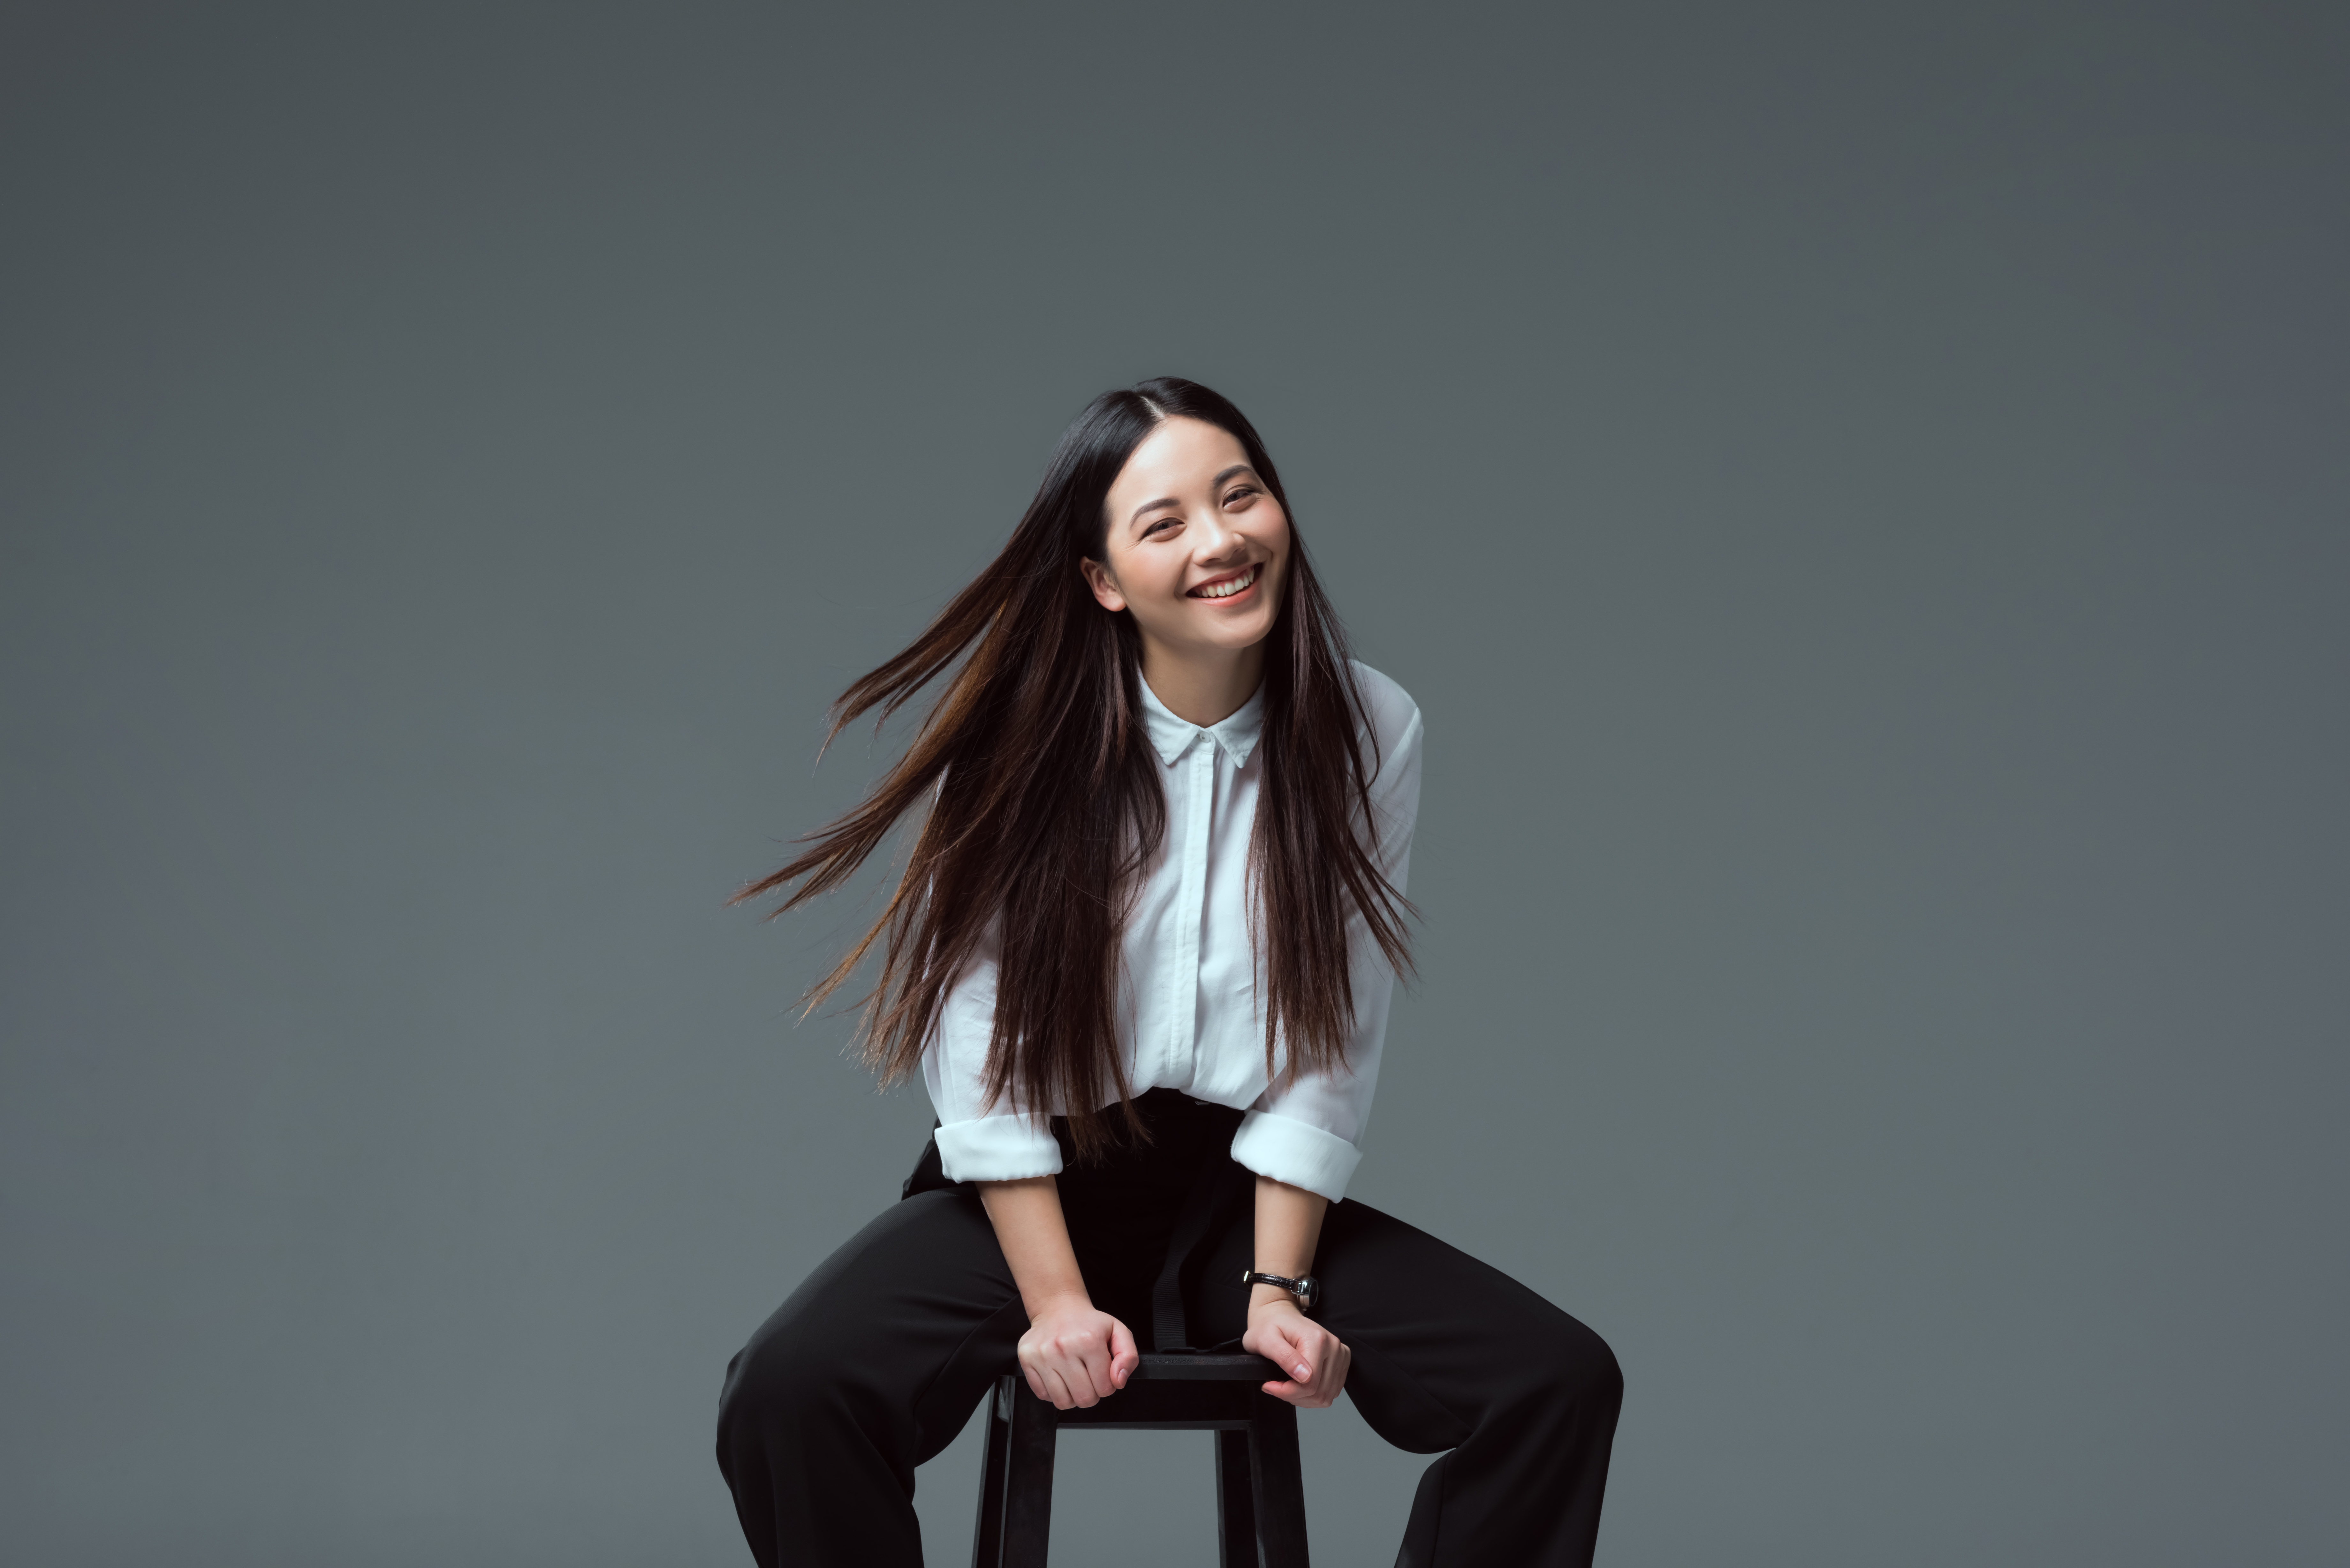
[[1296, 1153], [997, 1148]]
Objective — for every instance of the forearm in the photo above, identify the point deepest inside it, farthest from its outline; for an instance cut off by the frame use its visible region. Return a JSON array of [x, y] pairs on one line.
[[1288, 1228], [1035, 1235], [1311, 1359]]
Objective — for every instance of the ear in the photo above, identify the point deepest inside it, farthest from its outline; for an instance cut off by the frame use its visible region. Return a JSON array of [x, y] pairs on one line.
[[1104, 585]]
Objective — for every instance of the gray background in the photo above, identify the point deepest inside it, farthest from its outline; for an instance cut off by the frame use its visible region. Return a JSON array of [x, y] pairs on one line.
[[1858, 494]]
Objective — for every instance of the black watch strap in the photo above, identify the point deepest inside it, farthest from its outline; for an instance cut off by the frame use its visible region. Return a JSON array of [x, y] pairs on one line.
[[1308, 1289]]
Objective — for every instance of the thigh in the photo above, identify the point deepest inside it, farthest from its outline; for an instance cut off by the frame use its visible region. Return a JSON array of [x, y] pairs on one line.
[[1439, 1339], [902, 1330]]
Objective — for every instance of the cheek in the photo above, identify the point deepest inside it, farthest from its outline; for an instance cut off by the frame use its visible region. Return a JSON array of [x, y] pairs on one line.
[[1277, 540], [1143, 576], [1280, 546]]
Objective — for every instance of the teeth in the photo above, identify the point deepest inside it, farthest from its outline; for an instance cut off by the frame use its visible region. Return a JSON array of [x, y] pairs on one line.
[[1226, 590]]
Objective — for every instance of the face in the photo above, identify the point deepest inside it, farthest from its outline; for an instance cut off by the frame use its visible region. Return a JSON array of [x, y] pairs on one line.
[[1196, 544]]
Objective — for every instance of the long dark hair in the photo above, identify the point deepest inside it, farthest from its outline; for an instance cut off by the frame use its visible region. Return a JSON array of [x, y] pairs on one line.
[[1045, 803]]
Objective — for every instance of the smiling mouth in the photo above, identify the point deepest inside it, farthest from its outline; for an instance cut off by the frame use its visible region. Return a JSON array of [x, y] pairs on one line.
[[1229, 586]]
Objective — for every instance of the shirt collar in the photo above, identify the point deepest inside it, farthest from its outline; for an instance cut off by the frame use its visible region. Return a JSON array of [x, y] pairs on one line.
[[1171, 736]]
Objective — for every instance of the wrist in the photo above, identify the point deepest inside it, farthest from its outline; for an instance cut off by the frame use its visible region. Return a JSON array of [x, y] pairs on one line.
[[1263, 1298], [1055, 1302], [1301, 1287]]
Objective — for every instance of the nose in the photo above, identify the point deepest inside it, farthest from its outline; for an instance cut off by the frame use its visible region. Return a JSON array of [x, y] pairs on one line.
[[1218, 540]]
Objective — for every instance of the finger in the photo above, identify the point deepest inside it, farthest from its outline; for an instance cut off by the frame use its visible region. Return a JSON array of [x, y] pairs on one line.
[[1089, 1364], [1052, 1359], [1085, 1375], [1077, 1372], [1306, 1389], [1330, 1369], [1322, 1389], [1123, 1356], [1290, 1351], [1320, 1370], [1093, 1366], [1056, 1389]]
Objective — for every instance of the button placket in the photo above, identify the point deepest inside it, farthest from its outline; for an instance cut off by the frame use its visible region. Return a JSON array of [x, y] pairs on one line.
[[1182, 1022]]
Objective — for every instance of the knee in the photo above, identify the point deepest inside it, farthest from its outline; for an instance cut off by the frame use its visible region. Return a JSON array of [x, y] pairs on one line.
[[782, 1375], [1571, 1366]]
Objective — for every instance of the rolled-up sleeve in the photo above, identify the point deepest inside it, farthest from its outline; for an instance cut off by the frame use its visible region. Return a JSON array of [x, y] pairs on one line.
[[1308, 1132], [978, 1142]]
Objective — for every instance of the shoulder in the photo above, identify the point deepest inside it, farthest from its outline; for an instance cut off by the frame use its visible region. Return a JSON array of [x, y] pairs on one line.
[[1394, 716]]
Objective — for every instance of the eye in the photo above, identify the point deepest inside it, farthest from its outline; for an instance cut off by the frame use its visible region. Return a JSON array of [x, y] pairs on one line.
[[1156, 525], [1240, 493]]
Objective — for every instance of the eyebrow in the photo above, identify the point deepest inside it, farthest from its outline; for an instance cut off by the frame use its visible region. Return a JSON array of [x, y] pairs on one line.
[[1171, 501]]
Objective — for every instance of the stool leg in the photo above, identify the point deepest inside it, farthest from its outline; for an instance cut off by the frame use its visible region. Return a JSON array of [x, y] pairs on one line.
[[1235, 1503], [1280, 1482], [1028, 1478], [987, 1534]]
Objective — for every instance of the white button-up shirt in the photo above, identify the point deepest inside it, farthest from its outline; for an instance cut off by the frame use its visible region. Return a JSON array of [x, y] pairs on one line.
[[1188, 1016]]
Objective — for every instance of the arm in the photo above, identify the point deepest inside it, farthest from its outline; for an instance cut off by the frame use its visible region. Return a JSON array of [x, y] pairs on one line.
[[1288, 1225], [1309, 1131], [1301, 1137], [1072, 1354]]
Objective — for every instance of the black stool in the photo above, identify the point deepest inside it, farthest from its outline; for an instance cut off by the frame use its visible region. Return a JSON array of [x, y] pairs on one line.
[[1260, 1493]]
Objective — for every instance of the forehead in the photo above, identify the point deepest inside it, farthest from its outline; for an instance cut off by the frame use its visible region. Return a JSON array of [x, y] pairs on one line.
[[1181, 455]]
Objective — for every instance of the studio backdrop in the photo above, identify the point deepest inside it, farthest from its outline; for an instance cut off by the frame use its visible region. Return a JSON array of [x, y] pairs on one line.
[[1857, 493]]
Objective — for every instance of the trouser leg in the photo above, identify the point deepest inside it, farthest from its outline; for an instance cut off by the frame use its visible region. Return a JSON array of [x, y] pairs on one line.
[[871, 1368], [1450, 1354]]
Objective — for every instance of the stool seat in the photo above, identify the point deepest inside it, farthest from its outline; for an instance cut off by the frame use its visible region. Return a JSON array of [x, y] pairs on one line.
[[1259, 1490]]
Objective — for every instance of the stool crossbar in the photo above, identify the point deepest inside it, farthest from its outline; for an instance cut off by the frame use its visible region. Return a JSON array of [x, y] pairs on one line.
[[1260, 1490]]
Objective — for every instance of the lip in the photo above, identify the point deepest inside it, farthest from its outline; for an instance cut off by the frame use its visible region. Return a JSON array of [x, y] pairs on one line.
[[1246, 593]]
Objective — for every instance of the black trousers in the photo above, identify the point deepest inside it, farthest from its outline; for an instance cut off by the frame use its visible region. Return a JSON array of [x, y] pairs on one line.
[[875, 1362]]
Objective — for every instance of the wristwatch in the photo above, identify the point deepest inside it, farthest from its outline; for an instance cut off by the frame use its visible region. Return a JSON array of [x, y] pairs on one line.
[[1308, 1291]]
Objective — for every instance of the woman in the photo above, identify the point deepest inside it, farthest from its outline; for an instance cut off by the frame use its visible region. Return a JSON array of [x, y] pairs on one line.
[[1141, 955]]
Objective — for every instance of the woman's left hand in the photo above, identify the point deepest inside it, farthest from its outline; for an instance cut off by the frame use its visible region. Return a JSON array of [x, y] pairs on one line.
[[1313, 1357]]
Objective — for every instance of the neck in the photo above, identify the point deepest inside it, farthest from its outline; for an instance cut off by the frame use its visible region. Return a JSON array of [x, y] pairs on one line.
[[1202, 688]]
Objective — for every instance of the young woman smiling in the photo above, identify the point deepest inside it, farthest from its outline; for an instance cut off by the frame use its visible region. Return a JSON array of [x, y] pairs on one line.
[[1142, 955]]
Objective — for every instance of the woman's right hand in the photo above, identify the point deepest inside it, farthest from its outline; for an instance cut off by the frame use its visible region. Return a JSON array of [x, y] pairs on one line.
[[1077, 1356]]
